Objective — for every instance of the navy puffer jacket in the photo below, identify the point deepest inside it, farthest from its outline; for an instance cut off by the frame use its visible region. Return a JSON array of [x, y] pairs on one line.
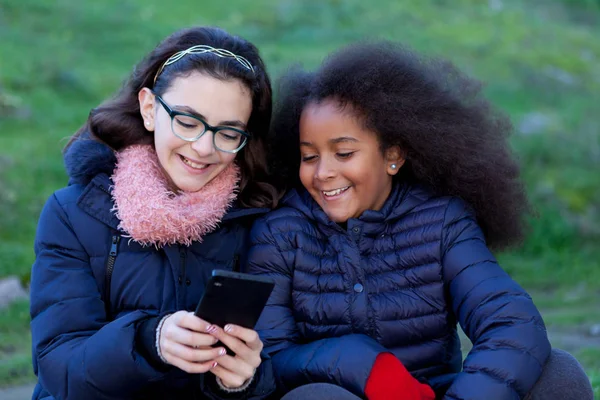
[[396, 280], [81, 350]]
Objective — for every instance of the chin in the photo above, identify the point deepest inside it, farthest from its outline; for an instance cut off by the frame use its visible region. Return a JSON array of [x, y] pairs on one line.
[[337, 217], [189, 187], [193, 188]]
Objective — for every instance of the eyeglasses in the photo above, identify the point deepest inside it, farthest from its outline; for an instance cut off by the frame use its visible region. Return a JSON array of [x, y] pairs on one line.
[[191, 128]]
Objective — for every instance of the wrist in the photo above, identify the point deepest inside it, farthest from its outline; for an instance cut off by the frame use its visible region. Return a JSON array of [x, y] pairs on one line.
[[157, 335], [229, 389], [146, 340]]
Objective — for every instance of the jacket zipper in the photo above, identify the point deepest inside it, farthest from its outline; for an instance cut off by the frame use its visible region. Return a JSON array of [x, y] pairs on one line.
[[110, 264], [236, 263], [182, 263]]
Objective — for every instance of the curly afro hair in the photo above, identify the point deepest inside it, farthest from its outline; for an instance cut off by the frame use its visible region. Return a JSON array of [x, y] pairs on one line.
[[454, 141]]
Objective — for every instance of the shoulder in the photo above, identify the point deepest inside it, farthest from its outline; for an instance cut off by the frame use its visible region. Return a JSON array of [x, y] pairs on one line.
[[67, 196], [297, 212], [424, 199], [66, 214], [460, 226], [281, 228], [437, 217], [418, 206], [451, 213], [61, 204], [282, 220], [280, 215], [457, 210]]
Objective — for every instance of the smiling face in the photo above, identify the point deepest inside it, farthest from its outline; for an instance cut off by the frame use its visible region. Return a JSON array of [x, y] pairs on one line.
[[191, 165], [342, 165]]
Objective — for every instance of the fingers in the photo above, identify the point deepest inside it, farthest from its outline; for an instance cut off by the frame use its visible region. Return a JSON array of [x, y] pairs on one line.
[[228, 378], [185, 353], [193, 368], [236, 366], [188, 337], [189, 321], [250, 355], [184, 343], [249, 336], [185, 328]]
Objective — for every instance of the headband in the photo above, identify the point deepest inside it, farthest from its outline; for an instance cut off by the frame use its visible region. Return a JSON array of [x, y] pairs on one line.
[[201, 49]]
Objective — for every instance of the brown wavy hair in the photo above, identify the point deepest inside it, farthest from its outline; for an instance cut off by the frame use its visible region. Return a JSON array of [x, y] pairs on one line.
[[118, 123], [453, 139]]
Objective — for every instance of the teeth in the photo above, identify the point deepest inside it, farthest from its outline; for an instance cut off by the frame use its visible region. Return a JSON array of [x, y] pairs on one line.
[[336, 191], [193, 164]]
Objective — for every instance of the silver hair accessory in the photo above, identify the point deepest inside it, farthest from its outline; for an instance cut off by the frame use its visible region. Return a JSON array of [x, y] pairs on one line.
[[201, 49], [393, 166]]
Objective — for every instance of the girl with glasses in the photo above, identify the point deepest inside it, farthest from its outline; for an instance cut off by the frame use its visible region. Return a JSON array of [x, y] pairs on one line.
[[165, 180]]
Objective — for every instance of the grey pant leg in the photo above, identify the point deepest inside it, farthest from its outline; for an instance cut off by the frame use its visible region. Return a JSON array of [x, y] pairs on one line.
[[320, 391], [562, 378]]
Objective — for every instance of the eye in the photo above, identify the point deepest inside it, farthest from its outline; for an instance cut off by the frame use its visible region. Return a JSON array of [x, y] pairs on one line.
[[345, 155], [308, 158], [187, 126], [230, 135], [186, 122]]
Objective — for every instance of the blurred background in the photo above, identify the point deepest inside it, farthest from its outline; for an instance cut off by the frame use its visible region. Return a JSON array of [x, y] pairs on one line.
[[539, 59]]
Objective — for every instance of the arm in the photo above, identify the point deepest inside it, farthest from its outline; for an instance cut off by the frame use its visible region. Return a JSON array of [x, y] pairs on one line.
[[77, 353], [295, 364], [510, 345]]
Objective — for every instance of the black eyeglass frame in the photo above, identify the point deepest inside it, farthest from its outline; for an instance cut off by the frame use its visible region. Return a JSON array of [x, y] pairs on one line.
[[214, 129]]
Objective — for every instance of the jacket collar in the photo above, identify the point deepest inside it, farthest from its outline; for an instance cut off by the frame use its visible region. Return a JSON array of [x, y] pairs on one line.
[[402, 199]]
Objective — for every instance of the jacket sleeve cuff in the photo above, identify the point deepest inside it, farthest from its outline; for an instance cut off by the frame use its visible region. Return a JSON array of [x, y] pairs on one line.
[[148, 337], [242, 388], [214, 389]]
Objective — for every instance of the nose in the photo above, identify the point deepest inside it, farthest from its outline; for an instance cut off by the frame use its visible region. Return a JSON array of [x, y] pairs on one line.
[[204, 146], [325, 170]]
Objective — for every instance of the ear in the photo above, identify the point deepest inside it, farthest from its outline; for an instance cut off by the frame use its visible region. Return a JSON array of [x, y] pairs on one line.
[[146, 99], [394, 158]]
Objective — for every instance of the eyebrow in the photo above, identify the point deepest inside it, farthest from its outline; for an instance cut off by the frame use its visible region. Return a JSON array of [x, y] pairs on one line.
[[343, 139], [337, 140], [189, 110]]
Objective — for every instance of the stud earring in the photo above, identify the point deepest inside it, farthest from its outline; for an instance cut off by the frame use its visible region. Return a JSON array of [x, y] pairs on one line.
[[393, 166], [147, 123]]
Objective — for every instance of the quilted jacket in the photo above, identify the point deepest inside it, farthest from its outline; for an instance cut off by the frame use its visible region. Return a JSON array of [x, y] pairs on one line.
[[93, 331], [396, 280]]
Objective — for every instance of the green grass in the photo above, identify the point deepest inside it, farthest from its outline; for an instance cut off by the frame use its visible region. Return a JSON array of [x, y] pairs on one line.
[[590, 357], [15, 339], [62, 58]]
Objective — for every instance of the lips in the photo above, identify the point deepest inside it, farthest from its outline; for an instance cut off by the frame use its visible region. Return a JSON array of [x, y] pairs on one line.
[[335, 192], [193, 164]]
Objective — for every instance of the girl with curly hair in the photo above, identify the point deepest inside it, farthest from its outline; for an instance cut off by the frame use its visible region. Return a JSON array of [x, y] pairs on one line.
[[401, 180], [166, 179]]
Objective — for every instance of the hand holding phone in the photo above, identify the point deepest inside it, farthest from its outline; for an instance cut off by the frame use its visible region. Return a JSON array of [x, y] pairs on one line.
[[233, 303], [238, 367], [185, 343]]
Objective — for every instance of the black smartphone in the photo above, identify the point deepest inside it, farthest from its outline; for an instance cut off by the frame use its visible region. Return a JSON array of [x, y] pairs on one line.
[[234, 298]]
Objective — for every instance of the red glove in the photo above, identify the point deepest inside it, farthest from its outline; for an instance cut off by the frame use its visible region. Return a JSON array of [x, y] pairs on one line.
[[390, 380]]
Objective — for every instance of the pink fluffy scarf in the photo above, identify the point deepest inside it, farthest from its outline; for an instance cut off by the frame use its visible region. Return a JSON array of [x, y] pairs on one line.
[[152, 214]]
